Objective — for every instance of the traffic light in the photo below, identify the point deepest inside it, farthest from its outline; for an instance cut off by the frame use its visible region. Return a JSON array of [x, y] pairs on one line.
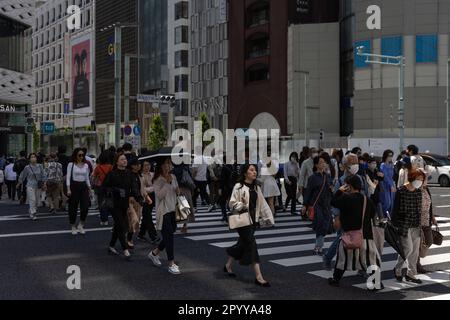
[[169, 99], [30, 122], [321, 135]]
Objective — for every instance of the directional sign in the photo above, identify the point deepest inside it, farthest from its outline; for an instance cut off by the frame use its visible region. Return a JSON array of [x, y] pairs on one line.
[[137, 130], [48, 127], [147, 98]]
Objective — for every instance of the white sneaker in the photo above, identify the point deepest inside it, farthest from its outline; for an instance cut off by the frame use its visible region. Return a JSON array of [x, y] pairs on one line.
[[155, 259], [81, 229], [33, 216], [174, 269], [74, 231]]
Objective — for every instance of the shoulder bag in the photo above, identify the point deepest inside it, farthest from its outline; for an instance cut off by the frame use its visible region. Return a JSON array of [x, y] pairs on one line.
[[239, 216], [437, 236], [311, 211], [40, 183], [354, 239]]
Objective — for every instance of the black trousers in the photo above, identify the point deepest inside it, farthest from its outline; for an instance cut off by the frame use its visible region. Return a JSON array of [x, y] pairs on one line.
[[120, 228], [11, 185], [245, 250], [79, 197], [291, 191], [147, 225], [280, 197], [1, 190], [168, 229], [201, 189]]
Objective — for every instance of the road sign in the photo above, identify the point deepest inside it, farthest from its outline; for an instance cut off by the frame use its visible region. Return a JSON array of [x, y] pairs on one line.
[[48, 128], [127, 130], [147, 98], [137, 130]]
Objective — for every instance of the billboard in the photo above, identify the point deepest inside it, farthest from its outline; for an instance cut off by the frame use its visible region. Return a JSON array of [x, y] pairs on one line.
[[81, 72]]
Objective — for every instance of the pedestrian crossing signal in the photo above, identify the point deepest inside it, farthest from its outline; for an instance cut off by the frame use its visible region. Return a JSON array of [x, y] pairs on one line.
[[321, 134]]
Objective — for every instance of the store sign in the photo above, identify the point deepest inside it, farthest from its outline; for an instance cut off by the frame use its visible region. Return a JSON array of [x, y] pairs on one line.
[[7, 108]]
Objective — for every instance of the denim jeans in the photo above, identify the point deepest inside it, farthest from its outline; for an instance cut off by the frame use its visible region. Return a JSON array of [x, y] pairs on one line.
[[331, 252], [319, 241]]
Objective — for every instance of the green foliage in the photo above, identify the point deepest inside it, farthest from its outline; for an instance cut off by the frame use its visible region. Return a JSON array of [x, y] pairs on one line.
[[156, 135]]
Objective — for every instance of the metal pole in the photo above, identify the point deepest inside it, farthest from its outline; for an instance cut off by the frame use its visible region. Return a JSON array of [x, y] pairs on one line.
[[117, 83], [73, 129], [126, 104], [306, 110], [401, 103], [448, 109], [29, 135]]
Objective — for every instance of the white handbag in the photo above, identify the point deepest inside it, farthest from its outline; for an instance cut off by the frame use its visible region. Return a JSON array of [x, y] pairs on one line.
[[239, 217], [183, 209]]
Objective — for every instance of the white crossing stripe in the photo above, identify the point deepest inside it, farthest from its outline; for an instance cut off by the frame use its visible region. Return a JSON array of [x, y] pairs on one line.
[[438, 297], [45, 233], [222, 229]]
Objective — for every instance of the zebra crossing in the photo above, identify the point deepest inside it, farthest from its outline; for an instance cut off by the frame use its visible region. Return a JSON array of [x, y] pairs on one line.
[[291, 242]]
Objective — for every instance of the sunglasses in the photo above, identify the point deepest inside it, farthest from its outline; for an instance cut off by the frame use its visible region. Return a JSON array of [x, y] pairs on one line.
[[80, 155]]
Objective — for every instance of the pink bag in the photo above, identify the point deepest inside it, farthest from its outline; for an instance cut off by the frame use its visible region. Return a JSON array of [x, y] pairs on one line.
[[354, 239]]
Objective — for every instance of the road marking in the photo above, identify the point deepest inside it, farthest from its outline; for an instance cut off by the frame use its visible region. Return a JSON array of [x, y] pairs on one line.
[[438, 297], [444, 195], [219, 229], [446, 206], [44, 233], [427, 279]]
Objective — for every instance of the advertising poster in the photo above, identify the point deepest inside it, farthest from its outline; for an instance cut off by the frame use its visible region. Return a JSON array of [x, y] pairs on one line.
[[81, 72]]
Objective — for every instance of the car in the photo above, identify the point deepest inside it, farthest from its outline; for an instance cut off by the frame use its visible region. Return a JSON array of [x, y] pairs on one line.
[[438, 167]]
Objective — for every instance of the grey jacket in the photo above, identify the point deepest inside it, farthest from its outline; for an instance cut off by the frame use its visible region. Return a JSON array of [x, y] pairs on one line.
[[306, 171], [33, 173]]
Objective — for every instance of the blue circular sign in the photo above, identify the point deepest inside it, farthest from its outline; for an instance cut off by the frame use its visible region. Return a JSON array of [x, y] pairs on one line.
[[137, 130]]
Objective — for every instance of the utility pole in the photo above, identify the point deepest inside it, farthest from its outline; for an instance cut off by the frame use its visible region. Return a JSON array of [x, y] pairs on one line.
[[117, 83], [397, 61], [305, 106]]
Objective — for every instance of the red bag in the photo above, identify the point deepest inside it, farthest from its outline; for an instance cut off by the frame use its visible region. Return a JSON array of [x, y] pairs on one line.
[[354, 239], [311, 212]]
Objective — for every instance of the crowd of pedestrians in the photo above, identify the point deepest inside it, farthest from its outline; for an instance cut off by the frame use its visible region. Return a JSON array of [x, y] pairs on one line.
[[352, 195]]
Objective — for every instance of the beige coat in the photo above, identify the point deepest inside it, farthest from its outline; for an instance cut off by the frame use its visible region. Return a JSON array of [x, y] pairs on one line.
[[166, 198], [240, 197]]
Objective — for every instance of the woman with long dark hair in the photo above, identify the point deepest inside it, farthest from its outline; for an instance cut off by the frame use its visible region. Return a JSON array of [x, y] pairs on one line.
[[247, 194], [78, 189], [119, 184], [166, 190]]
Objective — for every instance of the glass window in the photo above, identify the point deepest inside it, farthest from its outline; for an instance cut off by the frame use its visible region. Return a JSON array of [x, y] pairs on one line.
[[258, 72], [181, 10], [392, 46], [182, 83], [181, 59], [181, 34], [426, 48], [360, 62]]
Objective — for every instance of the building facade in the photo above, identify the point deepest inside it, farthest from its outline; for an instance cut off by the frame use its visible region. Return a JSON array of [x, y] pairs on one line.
[[107, 13], [63, 72], [178, 40], [313, 70], [209, 55], [419, 31], [16, 81]]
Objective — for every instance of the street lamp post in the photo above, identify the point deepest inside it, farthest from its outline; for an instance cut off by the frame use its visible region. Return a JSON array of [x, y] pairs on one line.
[[447, 101], [397, 61], [305, 106]]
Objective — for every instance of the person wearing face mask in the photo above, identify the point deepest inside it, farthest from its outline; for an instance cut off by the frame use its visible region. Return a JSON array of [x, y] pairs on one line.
[[387, 185], [426, 220], [406, 216], [351, 165], [306, 171]]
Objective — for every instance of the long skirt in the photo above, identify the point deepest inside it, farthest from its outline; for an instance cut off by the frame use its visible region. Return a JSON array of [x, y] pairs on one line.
[[358, 259], [245, 250]]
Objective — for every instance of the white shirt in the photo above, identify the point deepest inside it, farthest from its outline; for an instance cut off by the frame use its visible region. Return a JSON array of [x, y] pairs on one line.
[[79, 174], [10, 175], [201, 169]]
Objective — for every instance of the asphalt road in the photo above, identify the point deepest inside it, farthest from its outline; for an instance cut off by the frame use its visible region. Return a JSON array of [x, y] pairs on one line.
[[36, 254]]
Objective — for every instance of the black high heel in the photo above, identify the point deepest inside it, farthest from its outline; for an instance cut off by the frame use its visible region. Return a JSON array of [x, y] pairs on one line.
[[399, 278], [230, 274], [265, 284]]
